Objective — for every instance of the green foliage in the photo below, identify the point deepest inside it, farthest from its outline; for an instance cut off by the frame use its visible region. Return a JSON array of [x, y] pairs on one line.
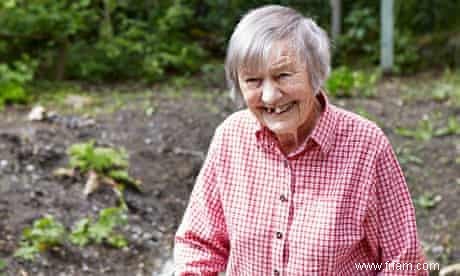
[[44, 234], [360, 38], [406, 56], [428, 200], [407, 156], [11, 93], [47, 233], [80, 234], [86, 156], [106, 161], [344, 82], [425, 130], [2, 264], [360, 42], [448, 88], [85, 231], [152, 40], [12, 80], [213, 74], [452, 128]]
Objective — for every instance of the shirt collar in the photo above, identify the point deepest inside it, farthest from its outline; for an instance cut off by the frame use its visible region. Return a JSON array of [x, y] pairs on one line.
[[321, 135]]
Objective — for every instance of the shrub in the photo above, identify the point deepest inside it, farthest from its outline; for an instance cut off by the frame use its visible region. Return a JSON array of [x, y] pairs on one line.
[[344, 82], [12, 80]]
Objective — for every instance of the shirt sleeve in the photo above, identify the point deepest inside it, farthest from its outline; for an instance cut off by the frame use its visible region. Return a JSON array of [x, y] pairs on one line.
[[201, 242], [390, 226]]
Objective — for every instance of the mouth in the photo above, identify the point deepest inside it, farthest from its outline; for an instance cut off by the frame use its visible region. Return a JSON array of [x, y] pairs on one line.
[[279, 109]]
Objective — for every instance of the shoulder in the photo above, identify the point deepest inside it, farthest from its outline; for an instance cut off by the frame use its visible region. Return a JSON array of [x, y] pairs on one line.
[[237, 125], [352, 127], [237, 129]]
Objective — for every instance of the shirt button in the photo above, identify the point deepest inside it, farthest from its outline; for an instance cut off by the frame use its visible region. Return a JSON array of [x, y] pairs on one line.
[[279, 235], [283, 198], [276, 272]]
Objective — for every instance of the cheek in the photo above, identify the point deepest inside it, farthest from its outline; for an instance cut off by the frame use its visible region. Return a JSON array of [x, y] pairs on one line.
[[251, 97]]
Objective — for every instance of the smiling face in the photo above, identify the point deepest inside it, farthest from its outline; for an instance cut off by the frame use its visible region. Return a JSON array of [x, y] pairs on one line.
[[280, 95]]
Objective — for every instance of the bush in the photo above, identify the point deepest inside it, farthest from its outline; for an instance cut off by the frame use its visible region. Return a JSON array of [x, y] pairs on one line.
[[152, 40], [344, 82], [12, 81]]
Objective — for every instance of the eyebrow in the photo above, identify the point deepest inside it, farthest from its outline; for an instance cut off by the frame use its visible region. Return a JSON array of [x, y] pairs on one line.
[[282, 62]]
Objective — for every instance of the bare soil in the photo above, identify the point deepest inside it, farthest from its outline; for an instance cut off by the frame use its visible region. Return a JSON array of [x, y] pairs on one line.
[[166, 151]]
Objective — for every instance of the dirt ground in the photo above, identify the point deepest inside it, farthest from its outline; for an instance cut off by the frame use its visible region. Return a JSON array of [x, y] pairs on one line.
[[166, 150]]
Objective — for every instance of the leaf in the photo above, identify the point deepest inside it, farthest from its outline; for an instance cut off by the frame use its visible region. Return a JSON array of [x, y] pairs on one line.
[[26, 252], [86, 157], [80, 234], [122, 176], [45, 233], [117, 240], [2, 264], [109, 218], [428, 201]]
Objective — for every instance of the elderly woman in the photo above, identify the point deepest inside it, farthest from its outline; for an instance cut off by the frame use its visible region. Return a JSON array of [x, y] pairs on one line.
[[294, 185]]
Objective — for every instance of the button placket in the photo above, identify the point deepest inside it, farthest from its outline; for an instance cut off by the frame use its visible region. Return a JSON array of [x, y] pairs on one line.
[[282, 220]]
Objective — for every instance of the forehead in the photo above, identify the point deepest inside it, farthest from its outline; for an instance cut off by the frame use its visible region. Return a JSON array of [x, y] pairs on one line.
[[276, 56]]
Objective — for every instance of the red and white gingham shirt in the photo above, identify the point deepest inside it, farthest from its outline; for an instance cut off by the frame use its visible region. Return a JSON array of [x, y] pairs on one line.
[[339, 199]]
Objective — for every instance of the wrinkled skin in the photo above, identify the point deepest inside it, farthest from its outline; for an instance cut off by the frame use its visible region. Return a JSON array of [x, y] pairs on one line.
[[280, 96]]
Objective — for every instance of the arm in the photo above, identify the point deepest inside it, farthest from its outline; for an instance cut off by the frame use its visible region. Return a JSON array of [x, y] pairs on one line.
[[390, 227], [201, 242]]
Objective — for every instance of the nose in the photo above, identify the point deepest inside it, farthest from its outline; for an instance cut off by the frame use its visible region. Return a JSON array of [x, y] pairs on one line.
[[270, 93]]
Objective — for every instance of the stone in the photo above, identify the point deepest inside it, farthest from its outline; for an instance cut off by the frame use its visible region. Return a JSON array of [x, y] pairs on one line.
[[38, 113]]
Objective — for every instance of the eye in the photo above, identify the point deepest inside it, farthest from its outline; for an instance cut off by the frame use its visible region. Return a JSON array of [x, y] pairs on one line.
[[253, 82], [283, 75]]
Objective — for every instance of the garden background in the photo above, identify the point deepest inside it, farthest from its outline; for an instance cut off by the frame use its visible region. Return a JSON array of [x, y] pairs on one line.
[[107, 108]]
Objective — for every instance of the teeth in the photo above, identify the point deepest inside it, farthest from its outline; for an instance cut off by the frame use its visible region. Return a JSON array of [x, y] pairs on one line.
[[279, 109]]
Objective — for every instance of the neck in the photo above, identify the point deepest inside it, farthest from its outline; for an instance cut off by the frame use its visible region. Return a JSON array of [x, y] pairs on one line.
[[291, 141]]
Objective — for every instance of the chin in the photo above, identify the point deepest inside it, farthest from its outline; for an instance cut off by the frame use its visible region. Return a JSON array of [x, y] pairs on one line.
[[279, 130]]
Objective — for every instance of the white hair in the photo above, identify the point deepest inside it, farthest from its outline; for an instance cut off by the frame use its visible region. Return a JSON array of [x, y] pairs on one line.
[[259, 29]]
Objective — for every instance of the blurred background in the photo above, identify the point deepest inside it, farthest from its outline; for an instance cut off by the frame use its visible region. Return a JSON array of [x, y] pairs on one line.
[[107, 108]]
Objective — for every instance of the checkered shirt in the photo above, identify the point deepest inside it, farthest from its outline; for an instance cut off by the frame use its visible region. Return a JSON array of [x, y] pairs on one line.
[[339, 199]]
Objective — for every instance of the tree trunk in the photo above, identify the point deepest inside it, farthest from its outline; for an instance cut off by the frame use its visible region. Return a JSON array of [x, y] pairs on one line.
[[62, 59], [336, 26]]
